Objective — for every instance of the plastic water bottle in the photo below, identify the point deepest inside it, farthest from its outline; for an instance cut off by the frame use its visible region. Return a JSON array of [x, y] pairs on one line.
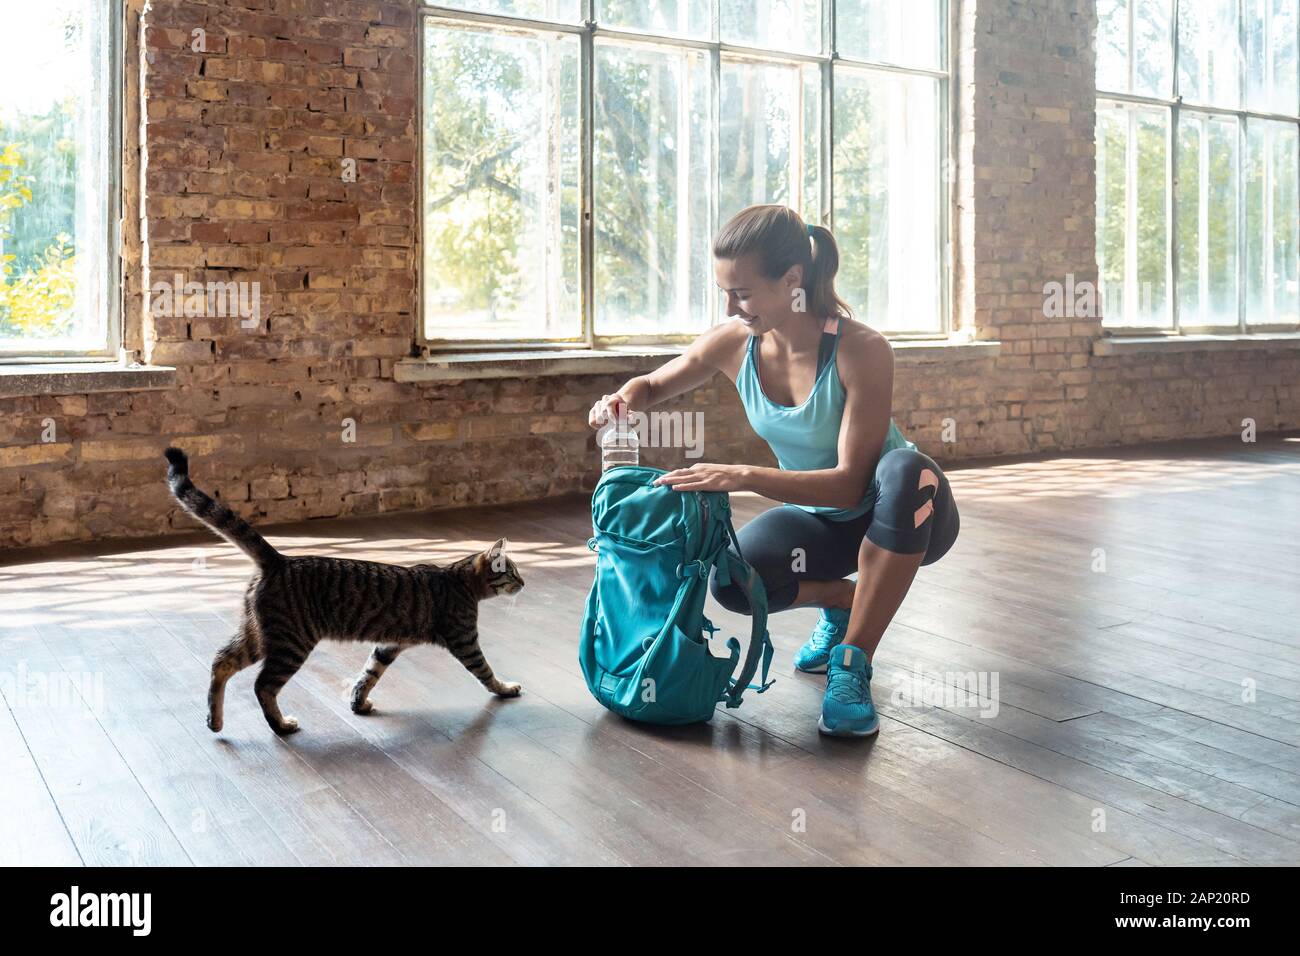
[[619, 445]]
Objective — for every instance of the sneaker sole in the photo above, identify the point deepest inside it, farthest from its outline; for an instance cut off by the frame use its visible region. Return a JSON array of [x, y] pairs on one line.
[[821, 726], [819, 669]]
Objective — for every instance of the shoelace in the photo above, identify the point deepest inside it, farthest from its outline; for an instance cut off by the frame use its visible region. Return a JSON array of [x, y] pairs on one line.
[[846, 686], [823, 637]]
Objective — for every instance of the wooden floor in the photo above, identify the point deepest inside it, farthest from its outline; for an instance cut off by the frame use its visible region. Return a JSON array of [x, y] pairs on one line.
[[1147, 712]]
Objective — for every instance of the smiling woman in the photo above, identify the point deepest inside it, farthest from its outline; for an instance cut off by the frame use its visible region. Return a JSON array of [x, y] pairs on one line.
[[57, 202], [817, 387]]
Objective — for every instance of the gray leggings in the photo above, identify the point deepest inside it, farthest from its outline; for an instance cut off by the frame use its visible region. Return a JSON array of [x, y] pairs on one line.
[[914, 512]]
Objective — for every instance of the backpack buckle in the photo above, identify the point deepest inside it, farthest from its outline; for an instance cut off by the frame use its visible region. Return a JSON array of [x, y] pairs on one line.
[[698, 568]]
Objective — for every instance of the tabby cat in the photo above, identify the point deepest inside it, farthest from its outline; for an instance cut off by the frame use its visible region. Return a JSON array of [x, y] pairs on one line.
[[292, 603]]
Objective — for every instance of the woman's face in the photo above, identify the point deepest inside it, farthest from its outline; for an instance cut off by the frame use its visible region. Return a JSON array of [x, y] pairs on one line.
[[759, 303]]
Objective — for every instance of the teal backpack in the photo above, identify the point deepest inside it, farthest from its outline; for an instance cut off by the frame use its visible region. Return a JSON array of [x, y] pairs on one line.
[[643, 651]]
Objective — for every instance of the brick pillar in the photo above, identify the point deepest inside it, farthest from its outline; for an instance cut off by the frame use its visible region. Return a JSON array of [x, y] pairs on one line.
[[1026, 196]]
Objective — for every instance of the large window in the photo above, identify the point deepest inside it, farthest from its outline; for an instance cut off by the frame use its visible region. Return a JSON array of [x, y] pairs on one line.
[[58, 147], [579, 156], [1198, 164]]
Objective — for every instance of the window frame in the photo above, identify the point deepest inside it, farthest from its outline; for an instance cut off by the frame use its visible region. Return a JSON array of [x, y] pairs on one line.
[[587, 30], [1173, 106], [113, 347]]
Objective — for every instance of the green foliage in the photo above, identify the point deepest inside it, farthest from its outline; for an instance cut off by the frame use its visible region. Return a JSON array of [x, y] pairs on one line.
[[39, 302], [37, 289], [15, 189]]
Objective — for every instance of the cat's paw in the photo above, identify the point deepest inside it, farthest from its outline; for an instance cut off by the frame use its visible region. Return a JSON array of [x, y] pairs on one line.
[[362, 707], [214, 724], [508, 689], [287, 726]]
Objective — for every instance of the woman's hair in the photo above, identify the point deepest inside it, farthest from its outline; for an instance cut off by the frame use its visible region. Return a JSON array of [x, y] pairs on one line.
[[780, 239]]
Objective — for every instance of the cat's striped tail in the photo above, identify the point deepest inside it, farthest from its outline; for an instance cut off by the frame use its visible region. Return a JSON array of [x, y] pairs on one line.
[[214, 514]]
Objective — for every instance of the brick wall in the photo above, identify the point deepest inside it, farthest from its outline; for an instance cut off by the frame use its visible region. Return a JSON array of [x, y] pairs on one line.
[[234, 175]]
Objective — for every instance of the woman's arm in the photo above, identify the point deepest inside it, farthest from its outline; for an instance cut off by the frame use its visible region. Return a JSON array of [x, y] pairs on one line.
[[867, 372], [703, 359]]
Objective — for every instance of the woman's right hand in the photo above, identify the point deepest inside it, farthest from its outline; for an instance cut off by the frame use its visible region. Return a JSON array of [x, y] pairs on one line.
[[606, 409]]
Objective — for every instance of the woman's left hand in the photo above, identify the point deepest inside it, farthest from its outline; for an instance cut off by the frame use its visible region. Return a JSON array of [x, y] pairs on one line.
[[704, 476]]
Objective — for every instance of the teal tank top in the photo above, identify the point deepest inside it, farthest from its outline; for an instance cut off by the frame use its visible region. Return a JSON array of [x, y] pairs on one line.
[[806, 437]]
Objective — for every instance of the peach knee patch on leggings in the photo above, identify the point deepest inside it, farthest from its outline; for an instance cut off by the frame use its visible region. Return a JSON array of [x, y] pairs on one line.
[[928, 480]]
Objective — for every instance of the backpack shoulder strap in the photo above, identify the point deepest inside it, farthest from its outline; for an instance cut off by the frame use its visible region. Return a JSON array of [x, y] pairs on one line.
[[746, 578]]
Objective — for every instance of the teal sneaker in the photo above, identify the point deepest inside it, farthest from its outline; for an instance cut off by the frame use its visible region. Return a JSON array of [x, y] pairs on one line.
[[847, 710], [829, 631]]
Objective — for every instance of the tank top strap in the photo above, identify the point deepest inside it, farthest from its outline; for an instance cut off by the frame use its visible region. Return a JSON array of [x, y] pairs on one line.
[[747, 380], [829, 344]]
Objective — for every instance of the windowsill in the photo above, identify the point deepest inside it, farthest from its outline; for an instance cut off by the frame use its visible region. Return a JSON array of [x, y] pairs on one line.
[[1127, 345], [80, 378], [918, 351], [532, 363]]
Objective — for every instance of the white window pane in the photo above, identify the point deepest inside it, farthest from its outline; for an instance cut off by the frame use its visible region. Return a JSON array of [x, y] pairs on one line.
[[1189, 221], [55, 192], [905, 32], [1112, 211], [1133, 215], [1208, 52], [764, 146], [1285, 239], [1112, 45], [775, 24], [651, 192], [1255, 172], [560, 11], [1284, 36], [1270, 27], [674, 17], [501, 185], [1153, 47], [812, 145], [887, 195], [1151, 217], [1271, 252], [1207, 221], [1221, 239]]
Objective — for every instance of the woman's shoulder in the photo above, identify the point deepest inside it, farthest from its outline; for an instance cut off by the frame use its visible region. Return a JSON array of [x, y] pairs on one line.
[[723, 346], [862, 344]]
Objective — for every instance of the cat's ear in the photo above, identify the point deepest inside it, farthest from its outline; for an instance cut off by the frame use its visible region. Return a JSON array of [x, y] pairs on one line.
[[493, 556]]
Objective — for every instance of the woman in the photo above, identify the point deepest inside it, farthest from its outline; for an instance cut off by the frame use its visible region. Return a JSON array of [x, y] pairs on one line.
[[817, 386]]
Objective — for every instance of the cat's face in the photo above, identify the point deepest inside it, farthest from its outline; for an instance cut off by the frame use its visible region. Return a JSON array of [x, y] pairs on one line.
[[499, 574]]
